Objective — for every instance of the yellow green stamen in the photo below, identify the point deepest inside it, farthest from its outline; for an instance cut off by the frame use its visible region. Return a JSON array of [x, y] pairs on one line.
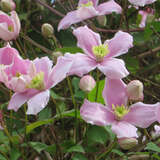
[[37, 82], [100, 51], [10, 28], [120, 111], [89, 4]]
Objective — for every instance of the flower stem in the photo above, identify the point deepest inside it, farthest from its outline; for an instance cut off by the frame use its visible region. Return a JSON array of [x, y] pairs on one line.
[[75, 107], [97, 86]]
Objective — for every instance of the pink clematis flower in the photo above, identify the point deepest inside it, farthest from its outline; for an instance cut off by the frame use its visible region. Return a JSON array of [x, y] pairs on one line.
[[141, 2], [88, 9], [145, 16], [100, 55], [30, 80], [117, 112], [9, 26]]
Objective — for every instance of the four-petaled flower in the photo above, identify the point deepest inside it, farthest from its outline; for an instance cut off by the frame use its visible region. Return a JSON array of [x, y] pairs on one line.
[[118, 113]]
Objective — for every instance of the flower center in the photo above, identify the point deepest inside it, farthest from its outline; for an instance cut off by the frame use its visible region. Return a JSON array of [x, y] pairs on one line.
[[100, 51], [37, 82], [120, 111], [88, 4], [10, 28]]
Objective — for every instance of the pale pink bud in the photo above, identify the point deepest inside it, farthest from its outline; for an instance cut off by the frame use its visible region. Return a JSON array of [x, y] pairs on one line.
[[7, 5], [47, 30], [87, 83], [102, 20], [127, 143], [135, 90]]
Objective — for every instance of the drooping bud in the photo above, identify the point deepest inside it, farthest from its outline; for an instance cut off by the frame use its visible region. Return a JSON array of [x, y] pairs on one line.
[[127, 143], [7, 5], [102, 20], [55, 55], [135, 90], [47, 30], [87, 83], [139, 157]]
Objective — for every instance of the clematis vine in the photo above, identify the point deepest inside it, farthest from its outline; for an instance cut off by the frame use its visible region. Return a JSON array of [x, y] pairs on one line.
[[117, 112], [141, 2], [9, 26], [30, 80], [100, 55], [88, 9]]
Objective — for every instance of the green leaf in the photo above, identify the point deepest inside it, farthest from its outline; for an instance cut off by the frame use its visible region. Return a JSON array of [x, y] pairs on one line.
[[79, 156], [92, 94], [96, 134], [15, 154], [109, 131], [76, 148], [153, 147], [38, 146], [45, 113], [118, 152], [2, 157], [37, 124]]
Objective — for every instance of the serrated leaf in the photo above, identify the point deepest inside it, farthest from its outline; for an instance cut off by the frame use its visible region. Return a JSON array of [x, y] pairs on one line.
[[96, 134], [153, 147]]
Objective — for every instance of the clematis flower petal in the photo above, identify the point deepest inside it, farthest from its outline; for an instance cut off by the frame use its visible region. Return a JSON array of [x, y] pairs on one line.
[[17, 100], [142, 115], [141, 2], [77, 16], [82, 64], [59, 71], [109, 7], [87, 39], [114, 92], [119, 44], [38, 102], [113, 68], [124, 130], [44, 65], [96, 113]]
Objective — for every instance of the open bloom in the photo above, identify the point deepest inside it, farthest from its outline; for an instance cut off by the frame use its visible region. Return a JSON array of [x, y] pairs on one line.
[[118, 113], [9, 26], [30, 80], [88, 9], [100, 55], [141, 2]]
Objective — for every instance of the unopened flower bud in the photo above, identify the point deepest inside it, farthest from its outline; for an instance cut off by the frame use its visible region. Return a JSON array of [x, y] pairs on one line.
[[127, 143], [102, 20], [47, 30], [7, 5], [135, 90], [87, 83], [55, 55]]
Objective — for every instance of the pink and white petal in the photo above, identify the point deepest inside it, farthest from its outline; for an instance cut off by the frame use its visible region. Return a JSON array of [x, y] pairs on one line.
[[124, 130], [77, 16], [113, 68], [17, 100], [95, 2], [44, 65], [141, 2], [17, 24], [142, 115], [87, 39], [82, 64], [4, 33], [109, 7], [59, 71], [158, 113], [38, 102], [114, 92], [7, 55], [144, 15], [96, 113], [119, 44]]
